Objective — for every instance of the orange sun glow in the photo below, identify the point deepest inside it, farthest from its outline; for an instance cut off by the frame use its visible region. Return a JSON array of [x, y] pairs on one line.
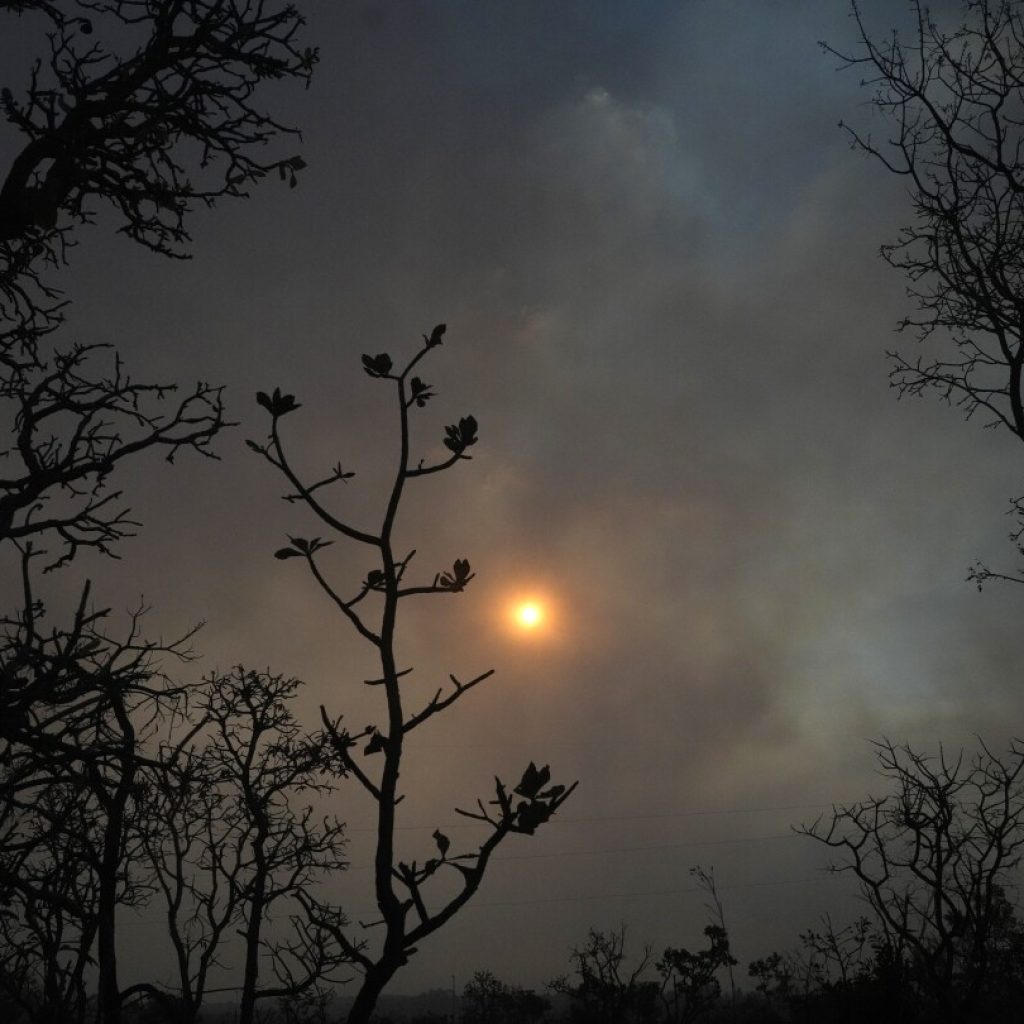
[[529, 614]]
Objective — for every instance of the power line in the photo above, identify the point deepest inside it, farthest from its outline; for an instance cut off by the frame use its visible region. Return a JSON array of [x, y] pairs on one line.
[[590, 897], [587, 897], [622, 849], [649, 846], [613, 817]]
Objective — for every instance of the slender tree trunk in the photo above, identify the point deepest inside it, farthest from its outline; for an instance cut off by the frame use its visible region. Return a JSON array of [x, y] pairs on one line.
[[247, 1009], [108, 1008]]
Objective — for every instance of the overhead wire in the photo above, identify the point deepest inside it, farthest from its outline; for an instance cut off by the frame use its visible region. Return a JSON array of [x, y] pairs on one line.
[[558, 820], [621, 849], [587, 897]]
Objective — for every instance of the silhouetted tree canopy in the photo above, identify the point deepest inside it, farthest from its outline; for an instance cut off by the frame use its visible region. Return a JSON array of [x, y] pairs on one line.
[[149, 108], [952, 101]]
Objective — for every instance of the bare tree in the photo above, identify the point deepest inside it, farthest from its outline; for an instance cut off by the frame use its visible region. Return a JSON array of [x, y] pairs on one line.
[[268, 853], [99, 125], [484, 999], [838, 956], [488, 1000], [689, 980], [227, 842], [933, 859], [371, 608], [103, 127], [776, 978], [85, 752], [707, 881], [953, 100], [607, 989], [153, 132], [980, 573], [147, 106], [48, 931]]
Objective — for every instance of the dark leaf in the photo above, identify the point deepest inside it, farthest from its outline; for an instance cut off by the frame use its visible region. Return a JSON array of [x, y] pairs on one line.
[[443, 842], [456, 579], [376, 744], [530, 815], [421, 392], [452, 440], [284, 404], [459, 437], [503, 801], [435, 336], [375, 578], [277, 404], [378, 365], [284, 553], [533, 781], [468, 429]]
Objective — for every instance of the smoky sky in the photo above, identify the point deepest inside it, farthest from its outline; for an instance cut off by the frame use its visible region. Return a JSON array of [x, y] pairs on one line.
[[657, 259]]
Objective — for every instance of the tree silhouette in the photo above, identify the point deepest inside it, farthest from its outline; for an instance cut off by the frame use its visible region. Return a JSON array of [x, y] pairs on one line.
[[148, 107], [488, 1000], [98, 125], [607, 989], [48, 931], [373, 755], [932, 859], [271, 852], [953, 102], [689, 982], [228, 844], [71, 798], [154, 133]]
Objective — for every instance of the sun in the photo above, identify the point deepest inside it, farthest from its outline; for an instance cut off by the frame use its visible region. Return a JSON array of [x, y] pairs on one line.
[[529, 614]]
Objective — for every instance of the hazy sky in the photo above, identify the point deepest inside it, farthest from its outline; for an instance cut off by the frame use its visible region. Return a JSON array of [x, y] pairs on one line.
[[657, 259]]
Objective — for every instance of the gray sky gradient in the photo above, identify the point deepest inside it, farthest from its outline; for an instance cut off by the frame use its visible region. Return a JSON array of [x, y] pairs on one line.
[[657, 260]]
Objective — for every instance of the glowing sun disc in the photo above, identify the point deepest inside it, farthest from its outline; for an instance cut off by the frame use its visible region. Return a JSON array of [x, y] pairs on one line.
[[529, 615]]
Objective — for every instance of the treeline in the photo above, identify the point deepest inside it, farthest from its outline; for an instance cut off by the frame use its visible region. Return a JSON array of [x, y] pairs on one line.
[[832, 976], [191, 801], [936, 858]]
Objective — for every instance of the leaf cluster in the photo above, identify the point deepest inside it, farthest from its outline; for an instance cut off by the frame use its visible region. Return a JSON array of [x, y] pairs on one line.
[[461, 435]]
